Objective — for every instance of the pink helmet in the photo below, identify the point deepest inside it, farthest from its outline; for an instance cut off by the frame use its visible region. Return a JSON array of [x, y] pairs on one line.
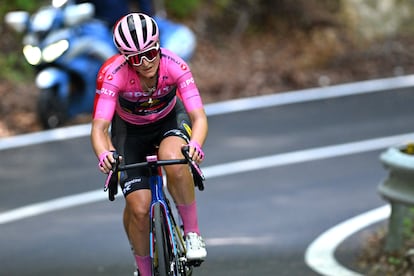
[[135, 32]]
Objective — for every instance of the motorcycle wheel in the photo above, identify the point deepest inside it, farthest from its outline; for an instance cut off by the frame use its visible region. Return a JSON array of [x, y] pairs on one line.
[[52, 111]]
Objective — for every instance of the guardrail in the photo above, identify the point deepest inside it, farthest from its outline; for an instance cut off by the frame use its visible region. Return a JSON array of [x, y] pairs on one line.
[[398, 189]]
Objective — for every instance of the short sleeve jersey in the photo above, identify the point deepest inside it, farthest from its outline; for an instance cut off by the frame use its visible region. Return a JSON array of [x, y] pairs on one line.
[[119, 90]]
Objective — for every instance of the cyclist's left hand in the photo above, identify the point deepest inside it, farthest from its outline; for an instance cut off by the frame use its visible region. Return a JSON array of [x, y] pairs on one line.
[[196, 152]]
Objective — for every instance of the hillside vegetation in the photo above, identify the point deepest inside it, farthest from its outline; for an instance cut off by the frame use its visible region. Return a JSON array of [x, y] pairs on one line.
[[248, 48]]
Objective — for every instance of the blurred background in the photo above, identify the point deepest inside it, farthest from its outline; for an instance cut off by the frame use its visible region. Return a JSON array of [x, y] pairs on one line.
[[247, 48]]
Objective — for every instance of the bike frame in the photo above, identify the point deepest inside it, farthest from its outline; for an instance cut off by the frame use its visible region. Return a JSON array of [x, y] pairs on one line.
[[165, 220], [159, 197]]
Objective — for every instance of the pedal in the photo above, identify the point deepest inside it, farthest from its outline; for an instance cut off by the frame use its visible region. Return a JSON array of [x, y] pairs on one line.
[[195, 263]]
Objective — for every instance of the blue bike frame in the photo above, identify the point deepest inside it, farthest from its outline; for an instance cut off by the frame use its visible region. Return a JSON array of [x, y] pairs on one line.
[[158, 197], [166, 223]]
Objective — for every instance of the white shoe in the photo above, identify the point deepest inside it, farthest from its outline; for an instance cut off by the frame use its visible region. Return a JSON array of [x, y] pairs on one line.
[[196, 248]]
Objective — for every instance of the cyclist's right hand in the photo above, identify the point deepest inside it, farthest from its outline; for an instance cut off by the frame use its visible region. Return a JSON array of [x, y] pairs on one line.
[[106, 161]]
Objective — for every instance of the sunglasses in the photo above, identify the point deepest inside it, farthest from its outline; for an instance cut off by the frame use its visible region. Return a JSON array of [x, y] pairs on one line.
[[150, 55]]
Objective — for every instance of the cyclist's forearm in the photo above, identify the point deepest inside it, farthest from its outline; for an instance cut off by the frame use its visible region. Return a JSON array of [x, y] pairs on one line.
[[100, 138], [199, 131], [199, 127]]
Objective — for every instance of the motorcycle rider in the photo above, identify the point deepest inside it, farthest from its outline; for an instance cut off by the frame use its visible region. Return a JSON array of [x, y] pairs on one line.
[[149, 96], [111, 10]]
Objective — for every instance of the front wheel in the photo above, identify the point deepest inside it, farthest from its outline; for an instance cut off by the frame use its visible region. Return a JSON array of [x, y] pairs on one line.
[[162, 263], [52, 111]]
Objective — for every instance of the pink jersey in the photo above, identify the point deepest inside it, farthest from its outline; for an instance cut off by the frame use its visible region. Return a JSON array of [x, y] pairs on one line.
[[119, 89]]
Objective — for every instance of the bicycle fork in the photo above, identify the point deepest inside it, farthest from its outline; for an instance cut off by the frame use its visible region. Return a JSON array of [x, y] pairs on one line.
[[163, 213]]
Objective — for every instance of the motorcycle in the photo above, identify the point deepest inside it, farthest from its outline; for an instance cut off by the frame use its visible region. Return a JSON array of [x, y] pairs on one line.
[[66, 46], [176, 37]]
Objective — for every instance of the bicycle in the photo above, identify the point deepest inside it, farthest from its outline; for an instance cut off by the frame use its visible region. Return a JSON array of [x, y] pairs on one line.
[[167, 245]]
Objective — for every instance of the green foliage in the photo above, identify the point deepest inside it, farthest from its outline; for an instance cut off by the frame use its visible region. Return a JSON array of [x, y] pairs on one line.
[[12, 63], [395, 261], [15, 68], [223, 4], [408, 224], [377, 261], [181, 8], [9, 5]]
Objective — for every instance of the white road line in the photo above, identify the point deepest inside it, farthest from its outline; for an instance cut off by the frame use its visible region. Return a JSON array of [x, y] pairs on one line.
[[320, 254], [51, 206], [363, 87], [250, 241], [64, 133], [306, 155], [311, 94], [218, 171]]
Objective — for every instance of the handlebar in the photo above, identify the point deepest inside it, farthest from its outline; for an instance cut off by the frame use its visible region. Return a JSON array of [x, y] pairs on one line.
[[156, 163], [111, 182]]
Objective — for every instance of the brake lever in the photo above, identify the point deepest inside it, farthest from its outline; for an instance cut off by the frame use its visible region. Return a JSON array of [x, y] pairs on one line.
[[185, 150], [111, 172]]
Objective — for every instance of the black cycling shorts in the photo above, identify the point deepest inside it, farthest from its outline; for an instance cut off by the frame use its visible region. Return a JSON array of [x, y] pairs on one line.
[[135, 142]]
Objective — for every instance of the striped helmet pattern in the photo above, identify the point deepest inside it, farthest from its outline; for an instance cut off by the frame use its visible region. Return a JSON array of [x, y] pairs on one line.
[[135, 32]]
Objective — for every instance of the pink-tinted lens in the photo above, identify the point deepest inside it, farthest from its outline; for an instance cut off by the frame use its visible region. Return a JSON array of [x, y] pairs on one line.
[[150, 55]]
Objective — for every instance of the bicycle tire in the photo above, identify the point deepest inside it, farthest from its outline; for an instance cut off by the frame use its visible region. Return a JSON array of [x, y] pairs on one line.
[[181, 266], [162, 243]]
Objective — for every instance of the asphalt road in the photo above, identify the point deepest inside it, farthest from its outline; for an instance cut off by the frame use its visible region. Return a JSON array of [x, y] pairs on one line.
[[256, 222]]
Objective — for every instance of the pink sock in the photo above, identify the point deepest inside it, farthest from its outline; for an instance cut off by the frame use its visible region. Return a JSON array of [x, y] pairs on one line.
[[188, 214], [144, 265]]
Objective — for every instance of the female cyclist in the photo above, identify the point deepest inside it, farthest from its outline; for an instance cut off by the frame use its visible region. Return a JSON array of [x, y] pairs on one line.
[[147, 95]]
